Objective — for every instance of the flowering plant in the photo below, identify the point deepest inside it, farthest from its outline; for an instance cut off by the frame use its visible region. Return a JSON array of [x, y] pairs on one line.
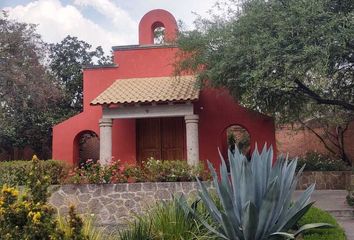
[[93, 172], [151, 170], [26, 215]]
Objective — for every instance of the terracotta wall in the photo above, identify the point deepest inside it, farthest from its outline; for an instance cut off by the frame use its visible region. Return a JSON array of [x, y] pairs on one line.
[[217, 110], [297, 142]]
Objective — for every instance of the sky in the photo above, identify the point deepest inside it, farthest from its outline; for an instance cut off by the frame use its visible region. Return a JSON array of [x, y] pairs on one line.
[[103, 23]]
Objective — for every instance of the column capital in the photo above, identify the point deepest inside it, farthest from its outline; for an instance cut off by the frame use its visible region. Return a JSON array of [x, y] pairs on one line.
[[105, 122], [191, 118]]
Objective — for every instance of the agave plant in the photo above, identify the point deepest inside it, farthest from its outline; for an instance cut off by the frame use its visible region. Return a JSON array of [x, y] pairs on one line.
[[256, 198]]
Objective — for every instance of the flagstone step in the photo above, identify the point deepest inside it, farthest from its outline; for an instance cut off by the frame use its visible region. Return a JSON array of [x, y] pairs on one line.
[[342, 213]]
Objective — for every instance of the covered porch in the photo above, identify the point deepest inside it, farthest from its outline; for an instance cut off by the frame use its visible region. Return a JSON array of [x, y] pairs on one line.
[[166, 126]]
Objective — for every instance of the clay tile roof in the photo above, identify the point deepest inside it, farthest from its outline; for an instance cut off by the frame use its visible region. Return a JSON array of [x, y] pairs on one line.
[[157, 89]]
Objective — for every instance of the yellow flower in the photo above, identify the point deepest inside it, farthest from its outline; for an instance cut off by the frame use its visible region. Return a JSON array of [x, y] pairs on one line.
[[9, 191], [36, 217], [35, 158]]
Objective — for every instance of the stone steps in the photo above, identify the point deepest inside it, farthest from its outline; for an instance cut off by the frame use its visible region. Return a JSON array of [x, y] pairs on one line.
[[342, 213]]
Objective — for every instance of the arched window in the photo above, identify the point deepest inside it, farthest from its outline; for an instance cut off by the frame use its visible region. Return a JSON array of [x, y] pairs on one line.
[[158, 32], [239, 137], [232, 137], [88, 147]]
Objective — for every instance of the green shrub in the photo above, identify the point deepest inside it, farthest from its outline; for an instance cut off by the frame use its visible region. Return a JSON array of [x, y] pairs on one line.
[[350, 198], [137, 230], [28, 216], [150, 171], [171, 171], [16, 173], [168, 220], [76, 227], [319, 162], [318, 215], [93, 173]]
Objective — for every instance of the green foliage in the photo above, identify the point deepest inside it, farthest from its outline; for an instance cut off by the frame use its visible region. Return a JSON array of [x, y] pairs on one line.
[[18, 172], [28, 216], [256, 199], [291, 59], [38, 182], [350, 198], [22, 218], [81, 227], [171, 171], [138, 230], [66, 62], [168, 220], [28, 93], [93, 172], [76, 225], [150, 171], [314, 161], [35, 96], [318, 215]]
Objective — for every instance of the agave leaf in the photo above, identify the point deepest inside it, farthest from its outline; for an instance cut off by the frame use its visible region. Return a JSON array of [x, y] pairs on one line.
[[231, 229], [295, 208], [201, 220], [256, 199], [228, 206], [312, 226], [283, 234], [296, 217], [226, 196], [286, 205], [235, 169], [286, 190], [268, 204], [250, 221], [210, 205], [225, 181]]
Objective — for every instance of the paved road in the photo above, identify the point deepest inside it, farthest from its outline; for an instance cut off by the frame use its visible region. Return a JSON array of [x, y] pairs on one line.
[[334, 201]]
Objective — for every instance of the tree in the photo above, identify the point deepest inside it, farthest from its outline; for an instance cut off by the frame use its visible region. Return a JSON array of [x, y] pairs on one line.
[[66, 61], [27, 92], [40, 84], [287, 58]]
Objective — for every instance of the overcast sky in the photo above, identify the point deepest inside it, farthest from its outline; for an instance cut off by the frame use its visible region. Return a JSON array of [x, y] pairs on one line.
[[99, 22]]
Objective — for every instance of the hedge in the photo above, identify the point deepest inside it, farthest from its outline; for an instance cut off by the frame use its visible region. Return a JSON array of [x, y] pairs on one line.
[[319, 162], [315, 215], [15, 173]]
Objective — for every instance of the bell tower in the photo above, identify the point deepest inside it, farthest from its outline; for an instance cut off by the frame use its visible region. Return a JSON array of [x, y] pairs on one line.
[[157, 27]]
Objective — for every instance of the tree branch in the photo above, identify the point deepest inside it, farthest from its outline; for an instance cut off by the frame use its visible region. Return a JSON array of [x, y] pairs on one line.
[[318, 136], [321, 100]]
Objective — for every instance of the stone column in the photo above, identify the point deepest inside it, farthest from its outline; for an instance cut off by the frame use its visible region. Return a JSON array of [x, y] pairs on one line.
[[192, 139], [105, 140]]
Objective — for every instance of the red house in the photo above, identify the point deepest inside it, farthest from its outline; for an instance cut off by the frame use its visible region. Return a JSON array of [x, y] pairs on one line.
[[139, 109]]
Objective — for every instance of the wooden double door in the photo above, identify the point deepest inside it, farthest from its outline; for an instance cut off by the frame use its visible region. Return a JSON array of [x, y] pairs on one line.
[[161, 138]]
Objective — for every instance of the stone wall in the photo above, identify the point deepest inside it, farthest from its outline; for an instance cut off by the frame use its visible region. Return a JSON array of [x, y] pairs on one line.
[[112, 204], [325, 180]]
